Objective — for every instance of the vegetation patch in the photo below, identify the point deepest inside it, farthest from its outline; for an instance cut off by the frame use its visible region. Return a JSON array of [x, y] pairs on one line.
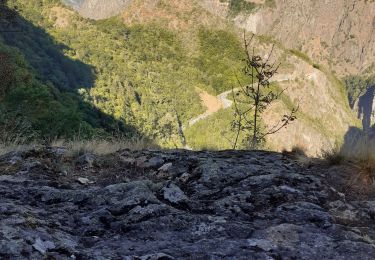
[[240, 6], [357, 151], [139, 77], [357, 86]]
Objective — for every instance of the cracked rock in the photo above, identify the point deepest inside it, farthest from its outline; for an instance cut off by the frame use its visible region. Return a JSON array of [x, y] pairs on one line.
[[174, 194]]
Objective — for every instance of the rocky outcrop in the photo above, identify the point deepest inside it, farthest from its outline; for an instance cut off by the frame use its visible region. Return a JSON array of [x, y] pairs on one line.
[[98, 9], [337, 33], [177, 205]]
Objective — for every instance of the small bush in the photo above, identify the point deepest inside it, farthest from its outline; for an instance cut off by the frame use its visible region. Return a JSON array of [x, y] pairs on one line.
[[7, 148], [367, 171], [301, 55], [298, 153], [316, 66], [333, 156], [298, 150], [240, 6]]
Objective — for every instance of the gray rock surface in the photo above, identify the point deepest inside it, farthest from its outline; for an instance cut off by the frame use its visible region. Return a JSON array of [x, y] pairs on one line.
[[209, 205]]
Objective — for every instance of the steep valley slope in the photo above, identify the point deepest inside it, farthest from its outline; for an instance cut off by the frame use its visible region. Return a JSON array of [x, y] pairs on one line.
[[162, 72], [338, 34], [324, 116], [149, 60]]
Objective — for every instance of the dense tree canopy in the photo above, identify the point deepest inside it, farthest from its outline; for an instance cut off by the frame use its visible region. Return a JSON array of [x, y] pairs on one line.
[[91, 77]]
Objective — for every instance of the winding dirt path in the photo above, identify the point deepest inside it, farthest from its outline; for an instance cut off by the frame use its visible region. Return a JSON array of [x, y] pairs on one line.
[[212, 103], [221, 101]]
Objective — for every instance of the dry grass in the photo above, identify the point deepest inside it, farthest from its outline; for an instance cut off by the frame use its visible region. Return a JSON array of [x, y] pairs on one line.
[[102, 147], [298, 152], [333, 156], [182, 15], [7, 148], [360, 153], [79, 147]]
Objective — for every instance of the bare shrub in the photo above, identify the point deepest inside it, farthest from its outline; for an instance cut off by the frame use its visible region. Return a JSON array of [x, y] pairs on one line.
[[254, 98]]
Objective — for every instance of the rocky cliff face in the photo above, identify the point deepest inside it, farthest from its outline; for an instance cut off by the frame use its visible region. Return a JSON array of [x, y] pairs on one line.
[[336, 33], [178, 205]]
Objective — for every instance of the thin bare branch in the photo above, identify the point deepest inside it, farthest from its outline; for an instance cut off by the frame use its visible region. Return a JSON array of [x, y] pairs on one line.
[[256, 97]]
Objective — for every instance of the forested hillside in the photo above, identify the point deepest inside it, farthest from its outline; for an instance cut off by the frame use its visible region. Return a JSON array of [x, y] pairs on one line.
[[38, 99], [140, 75], [143, 73]]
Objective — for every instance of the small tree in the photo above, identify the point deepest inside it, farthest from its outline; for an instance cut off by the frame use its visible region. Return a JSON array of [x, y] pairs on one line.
[[253, 99]]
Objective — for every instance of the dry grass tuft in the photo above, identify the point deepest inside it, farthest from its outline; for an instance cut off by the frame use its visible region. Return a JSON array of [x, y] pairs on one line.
[[298, 153], [80, 147], [333, 156], [360, 153], [304, 160], [102, 147], [7, 148], [299, 150]]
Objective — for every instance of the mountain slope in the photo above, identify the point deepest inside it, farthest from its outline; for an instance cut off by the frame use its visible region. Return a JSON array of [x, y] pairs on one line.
[[303, 80], [316, 125], [338, 34], [148, 62], [34, 106]]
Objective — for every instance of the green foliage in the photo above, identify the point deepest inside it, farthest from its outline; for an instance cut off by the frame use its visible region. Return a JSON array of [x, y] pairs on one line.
[[238, 6], [271, 3], [219, 59], [301, 55], [47, 112], [316, 66], [243, 6], [149, 80], [356, 86], [140, 75], [214, 133], [97, 78]]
